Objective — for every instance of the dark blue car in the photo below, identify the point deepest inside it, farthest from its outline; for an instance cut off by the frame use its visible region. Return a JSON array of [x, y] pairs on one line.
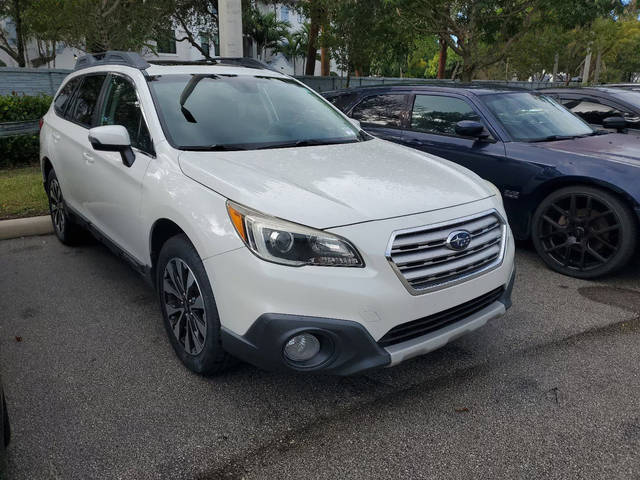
[[573, 190]]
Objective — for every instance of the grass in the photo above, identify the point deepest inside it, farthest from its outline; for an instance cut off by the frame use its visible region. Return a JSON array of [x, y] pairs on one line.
[[21, 193]]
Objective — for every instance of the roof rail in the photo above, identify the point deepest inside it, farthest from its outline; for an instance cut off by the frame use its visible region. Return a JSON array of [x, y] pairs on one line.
[[235, 61], [130, 59]]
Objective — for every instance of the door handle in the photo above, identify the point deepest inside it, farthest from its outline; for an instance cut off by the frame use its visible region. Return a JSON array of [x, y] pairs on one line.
[[88, 157], [56, 136]]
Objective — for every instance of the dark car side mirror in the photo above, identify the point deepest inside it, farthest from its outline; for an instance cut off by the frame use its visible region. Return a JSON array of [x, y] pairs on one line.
[[615, 123], [471, 128], [113, 138]]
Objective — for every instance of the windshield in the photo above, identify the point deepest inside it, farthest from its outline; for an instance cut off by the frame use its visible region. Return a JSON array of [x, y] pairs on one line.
[[530, 118], [238, 112]]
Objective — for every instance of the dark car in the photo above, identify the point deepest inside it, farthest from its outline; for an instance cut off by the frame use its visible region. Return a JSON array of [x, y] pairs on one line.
[[572, 189], [602, 107]]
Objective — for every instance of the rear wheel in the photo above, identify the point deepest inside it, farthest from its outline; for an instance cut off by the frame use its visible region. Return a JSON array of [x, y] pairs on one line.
[[189, 308], [67, 231], [584, 232]]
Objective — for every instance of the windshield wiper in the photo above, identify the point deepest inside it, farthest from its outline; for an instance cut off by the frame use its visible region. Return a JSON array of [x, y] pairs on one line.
[[552, 138], [212, 148], [306, 143]]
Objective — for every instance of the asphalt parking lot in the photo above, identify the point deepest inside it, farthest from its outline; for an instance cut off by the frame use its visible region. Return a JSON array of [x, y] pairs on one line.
[[552, 390]]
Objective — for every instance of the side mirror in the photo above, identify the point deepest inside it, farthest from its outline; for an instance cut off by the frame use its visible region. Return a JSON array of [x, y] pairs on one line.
[[356, 123], [470, 128], [615, 123], [113, 138]]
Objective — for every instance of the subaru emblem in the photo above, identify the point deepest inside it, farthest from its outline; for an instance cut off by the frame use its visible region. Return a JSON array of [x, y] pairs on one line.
[[458, 240]]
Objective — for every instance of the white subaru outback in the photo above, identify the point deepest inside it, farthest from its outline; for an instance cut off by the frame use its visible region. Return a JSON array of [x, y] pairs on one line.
[[273, 229]]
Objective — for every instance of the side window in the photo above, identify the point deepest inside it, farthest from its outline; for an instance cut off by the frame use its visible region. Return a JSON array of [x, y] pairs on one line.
[[343, 100], [591, 111], [381, 110], [86, 100], [121, 107], [439, 115], [64, 97]]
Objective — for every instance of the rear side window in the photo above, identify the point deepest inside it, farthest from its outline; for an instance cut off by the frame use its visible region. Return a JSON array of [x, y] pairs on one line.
[[121, 107], [343, 100], [439, 115], [381, 110], [84, 105], [64, 97]]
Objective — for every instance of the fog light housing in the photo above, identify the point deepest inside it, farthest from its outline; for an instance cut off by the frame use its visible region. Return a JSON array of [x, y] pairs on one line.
[[302, 347]]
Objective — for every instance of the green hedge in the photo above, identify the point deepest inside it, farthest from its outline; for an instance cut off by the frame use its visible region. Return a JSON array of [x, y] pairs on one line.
[[21, 149]]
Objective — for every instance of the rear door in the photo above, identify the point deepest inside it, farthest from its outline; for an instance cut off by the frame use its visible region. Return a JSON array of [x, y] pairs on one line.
[[431, 129], [383, 114]]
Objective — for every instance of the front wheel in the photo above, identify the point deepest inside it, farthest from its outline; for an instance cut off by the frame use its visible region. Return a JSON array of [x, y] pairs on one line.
[[584, 232], [189, 308]]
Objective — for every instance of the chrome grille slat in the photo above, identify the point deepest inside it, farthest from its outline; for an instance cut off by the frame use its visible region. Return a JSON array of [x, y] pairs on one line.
[[403, 259], [422, 260]]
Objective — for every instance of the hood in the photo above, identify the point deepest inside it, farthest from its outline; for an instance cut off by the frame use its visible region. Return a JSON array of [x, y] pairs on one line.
[[615, 147], [334, 185]]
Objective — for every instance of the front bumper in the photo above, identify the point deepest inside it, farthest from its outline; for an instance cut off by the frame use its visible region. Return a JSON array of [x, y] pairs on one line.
[[351, 348]]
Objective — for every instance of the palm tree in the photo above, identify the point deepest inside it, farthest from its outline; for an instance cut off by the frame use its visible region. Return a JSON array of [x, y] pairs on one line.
[[293, 45], [266, 30]]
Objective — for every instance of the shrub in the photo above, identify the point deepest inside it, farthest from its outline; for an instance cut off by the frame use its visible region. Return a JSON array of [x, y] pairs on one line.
[[21, 149]]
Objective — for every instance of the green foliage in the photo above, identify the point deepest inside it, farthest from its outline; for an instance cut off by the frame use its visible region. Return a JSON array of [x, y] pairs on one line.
[[21, 149], [265, 29]]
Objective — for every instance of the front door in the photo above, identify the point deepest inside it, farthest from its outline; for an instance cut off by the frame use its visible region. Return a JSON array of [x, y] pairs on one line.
[[114, 204]]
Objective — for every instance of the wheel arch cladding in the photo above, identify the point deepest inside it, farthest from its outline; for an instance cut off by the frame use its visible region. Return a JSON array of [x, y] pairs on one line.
[[47, 166], [161, 231]]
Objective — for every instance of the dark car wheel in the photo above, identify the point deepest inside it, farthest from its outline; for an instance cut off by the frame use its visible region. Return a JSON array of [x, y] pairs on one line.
[[584, 232], [67, 231], [189, 308]]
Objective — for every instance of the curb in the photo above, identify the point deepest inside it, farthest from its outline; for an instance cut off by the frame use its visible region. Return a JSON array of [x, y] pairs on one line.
[[25, 227]]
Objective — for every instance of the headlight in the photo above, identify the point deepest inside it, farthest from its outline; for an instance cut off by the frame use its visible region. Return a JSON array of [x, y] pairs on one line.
[[288, 243]]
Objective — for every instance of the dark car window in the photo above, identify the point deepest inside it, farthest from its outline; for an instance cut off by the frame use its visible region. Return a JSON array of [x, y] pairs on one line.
[[64, 97], [529, 117], [121, 107], [86, 100], [343, 100], [591, 111], [381, 110], [438, 114]]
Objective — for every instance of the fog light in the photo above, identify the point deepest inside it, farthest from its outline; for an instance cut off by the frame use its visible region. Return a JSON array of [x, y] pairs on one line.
[[301, 348]]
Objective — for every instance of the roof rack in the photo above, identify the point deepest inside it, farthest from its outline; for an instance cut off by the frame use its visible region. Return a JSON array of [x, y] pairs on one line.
[[135, 60], [131, 59]]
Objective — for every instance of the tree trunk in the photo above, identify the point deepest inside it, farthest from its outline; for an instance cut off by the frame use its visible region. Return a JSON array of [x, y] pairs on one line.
[[442, 60], [314, 29], [19, 33], [467, 71], [596, 74], [325, 62]]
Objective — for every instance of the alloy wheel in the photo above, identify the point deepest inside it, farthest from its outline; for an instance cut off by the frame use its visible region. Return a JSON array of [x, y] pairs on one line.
[[56, 204], [579, 232], [184, 306]]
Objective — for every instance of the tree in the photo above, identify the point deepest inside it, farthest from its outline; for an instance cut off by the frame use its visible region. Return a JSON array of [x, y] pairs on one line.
[[15, 11], [100, 25], [197, 18], [265, 29], [482, 32], [293, 46]]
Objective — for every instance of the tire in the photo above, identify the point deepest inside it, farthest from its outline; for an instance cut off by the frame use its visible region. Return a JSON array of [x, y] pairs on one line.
[[190, 318], [64, 226], [584, 232]]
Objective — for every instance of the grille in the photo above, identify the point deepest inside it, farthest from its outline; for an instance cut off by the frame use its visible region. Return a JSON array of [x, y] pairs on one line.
[[422, 326], [423, 260]]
